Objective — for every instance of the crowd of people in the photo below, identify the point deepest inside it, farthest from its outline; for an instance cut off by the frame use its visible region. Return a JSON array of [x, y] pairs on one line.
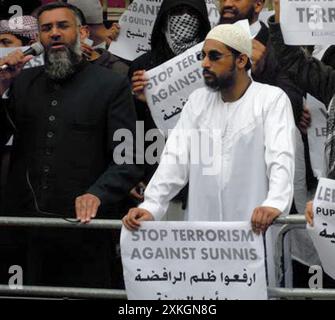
[[62, 118]]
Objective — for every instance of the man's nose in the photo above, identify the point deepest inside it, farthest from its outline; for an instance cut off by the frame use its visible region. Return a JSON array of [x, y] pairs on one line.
[[205, 63], [228, 4], [54, 33], [55, 37]]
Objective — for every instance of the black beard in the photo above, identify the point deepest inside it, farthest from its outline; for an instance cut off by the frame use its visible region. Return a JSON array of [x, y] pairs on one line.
[[219, 83], [238, 16], [60, 63]]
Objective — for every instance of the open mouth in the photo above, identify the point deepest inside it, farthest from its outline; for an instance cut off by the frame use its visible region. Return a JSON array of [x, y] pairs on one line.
[[207, 75], [57, 45], [229, 13]]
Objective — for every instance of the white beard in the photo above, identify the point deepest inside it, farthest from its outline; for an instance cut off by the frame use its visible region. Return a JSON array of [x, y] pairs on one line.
[[60, 63]]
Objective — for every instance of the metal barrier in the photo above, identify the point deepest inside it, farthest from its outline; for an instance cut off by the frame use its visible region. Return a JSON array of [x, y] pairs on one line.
[[288, 223], [58, 223], [61, 292], [301, 293]]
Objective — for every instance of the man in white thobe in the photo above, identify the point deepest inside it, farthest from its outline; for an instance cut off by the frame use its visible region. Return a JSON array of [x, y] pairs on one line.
[[249, 130]]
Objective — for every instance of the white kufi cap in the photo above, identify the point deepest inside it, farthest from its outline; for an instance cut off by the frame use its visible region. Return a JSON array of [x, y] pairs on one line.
[[232, 35]]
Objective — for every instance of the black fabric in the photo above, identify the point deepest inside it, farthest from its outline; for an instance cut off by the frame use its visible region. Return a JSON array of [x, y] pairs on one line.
[[309, 73], [160, 51], [77, 158], [182, 32], [313, 76], [274, 75], [111, 62], [70, 257], [72, 153], [329, 56], [5, 127], [263, 34], [301, 277], [155, 57]]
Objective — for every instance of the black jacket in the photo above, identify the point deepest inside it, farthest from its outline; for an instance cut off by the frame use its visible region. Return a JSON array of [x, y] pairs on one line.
[[313, 76], [63, 144], [329, 56], [273, 74], [111, 62]]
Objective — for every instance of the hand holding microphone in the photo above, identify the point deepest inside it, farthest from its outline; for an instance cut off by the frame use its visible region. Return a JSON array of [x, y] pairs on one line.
[[14, 62]]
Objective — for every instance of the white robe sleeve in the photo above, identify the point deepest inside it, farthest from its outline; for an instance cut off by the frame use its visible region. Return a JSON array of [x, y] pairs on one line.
[[279, 131], [173, 171]]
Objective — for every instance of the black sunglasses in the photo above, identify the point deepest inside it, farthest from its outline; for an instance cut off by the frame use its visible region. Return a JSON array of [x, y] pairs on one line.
[[212, 55]]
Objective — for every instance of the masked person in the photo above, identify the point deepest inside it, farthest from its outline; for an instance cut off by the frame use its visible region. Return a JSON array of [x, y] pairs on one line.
[[180, 24]]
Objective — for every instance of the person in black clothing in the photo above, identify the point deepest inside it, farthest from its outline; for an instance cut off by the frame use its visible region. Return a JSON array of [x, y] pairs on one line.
[[63, 116], [180, 24], [265, 68]]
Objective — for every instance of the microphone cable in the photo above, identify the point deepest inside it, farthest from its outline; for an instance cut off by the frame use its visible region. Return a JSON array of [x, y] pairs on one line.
[[37, 208]]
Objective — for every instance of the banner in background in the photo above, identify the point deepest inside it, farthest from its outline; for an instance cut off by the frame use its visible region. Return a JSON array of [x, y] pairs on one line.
[[170, 85], [307, 22], [136, 25], [317, 134]]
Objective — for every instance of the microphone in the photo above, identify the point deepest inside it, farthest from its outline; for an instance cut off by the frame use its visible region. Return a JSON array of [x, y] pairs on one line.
[[35, 49]]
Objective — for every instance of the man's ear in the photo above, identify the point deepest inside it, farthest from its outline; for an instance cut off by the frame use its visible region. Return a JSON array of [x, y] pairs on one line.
[[84, 33], [242, 61], [258, 6]]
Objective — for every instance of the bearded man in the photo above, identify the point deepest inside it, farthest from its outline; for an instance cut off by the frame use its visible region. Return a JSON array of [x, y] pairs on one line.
[[249, 129], [65, 115]]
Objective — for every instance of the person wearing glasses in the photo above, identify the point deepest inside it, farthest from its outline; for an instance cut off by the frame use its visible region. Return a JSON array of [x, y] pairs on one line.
[[250, 127]]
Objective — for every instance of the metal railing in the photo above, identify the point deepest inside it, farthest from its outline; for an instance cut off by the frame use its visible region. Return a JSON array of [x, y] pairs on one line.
[[58, 223], [61, 292], [288, 223]]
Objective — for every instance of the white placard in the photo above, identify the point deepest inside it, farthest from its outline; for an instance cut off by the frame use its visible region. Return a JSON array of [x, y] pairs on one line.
[[323, 231], [213, 12], [35, 62], [307, 22], [170, 85], [136, 25], [193, 261], [317, 134], [265, 14]]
